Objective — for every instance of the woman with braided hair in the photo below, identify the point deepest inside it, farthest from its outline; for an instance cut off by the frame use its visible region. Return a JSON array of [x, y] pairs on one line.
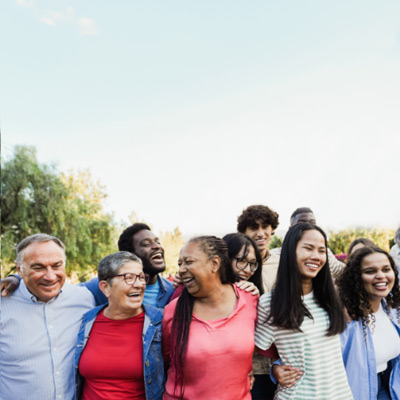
[[369, 288], [208, 332]]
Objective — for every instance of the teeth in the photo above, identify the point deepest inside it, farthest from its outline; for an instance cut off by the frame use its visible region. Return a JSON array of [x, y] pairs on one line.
[[381, 284], [133, 294], [312, 265], [186, 280]]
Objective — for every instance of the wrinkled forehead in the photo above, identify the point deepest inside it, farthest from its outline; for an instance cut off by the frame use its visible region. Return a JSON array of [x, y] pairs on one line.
[[132, 267], [42, 252], [143, 235]]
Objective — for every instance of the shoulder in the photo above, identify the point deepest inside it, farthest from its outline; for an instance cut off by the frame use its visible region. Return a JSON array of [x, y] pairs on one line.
[[155, 314], [265, 299], [78, 293], [166, 283], [93, 313], [247, 297], [170, 309]]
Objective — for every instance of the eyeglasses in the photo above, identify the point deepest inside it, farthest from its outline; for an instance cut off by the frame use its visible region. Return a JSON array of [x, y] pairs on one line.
[[242, 263], [130, 279]]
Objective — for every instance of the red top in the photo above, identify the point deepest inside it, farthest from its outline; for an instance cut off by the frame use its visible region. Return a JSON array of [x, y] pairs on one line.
[[112, 361], [219, 353]]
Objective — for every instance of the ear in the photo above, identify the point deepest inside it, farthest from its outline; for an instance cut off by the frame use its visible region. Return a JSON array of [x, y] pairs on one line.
[[104, 286], [215, 264], [19, 269]]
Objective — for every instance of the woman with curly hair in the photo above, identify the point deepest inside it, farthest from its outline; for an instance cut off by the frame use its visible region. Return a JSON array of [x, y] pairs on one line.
[[369, 288], [208, 332]]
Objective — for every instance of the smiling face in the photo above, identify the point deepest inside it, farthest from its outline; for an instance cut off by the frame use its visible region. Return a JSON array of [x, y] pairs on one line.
[[244, 274], [377, 276], [261, 234], [124, 299], [310, 255], [148, 248], [198, 272], [43, 269]]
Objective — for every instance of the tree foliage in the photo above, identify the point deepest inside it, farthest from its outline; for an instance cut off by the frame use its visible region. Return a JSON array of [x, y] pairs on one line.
[[339, 241], [172, 243], [37, 198]]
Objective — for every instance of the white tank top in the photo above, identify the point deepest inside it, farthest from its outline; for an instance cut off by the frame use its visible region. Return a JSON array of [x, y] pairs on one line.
[[385, 339]]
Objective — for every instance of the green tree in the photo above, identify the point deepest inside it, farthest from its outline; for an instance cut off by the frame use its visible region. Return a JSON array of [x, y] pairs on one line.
[[276, 241], [340, 241], [172, 243], [37, 198]]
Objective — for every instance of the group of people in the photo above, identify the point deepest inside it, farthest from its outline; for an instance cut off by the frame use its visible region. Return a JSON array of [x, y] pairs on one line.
[[239, 321]]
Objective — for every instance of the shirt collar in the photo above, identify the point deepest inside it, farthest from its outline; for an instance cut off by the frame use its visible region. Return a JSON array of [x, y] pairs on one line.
[[27, 295]]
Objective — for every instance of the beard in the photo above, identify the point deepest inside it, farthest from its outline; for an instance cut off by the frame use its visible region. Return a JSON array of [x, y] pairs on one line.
[[150, 269]]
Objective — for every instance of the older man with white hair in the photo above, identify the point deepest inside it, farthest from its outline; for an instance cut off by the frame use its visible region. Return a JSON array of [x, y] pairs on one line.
[[39, 324]]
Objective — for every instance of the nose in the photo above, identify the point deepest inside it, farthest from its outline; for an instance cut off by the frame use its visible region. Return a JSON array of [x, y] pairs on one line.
[[138, 283], [380, 274], [260, 231], [49, 274], [247, 268], [155, 245]]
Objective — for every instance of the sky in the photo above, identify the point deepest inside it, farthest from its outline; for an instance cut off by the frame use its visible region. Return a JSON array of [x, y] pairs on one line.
[[190, 111]]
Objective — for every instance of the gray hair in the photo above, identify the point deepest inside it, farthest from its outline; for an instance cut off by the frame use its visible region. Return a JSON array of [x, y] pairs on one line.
[[111, 264], [397, 236], [36, 238]]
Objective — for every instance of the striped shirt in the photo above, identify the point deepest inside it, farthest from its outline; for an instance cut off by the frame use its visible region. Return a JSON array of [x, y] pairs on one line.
[[317, 355]]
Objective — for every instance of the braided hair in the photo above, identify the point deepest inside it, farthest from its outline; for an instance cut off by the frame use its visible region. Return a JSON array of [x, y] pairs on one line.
[[211, 246]]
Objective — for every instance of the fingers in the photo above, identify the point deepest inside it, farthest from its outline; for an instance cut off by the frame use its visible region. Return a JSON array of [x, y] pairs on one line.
[[177, 281]]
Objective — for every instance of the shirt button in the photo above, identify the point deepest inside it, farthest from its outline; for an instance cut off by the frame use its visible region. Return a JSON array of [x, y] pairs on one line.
[[147, 363], [149, 381], [55, 348], [57, 373]]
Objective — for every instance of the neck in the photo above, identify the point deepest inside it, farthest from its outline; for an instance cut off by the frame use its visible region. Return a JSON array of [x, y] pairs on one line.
[[113, 312], [216, 296], [307, 287], [264, 254], [375, 303], [152, 279]]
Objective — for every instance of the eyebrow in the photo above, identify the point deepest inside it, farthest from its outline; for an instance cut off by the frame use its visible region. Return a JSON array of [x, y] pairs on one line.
[[42, 265], [312, 245]]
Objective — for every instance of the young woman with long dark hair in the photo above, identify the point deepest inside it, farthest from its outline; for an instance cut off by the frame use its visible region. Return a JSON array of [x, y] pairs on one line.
[[303, 316], [208, 332], [245, 259], [369, 288]]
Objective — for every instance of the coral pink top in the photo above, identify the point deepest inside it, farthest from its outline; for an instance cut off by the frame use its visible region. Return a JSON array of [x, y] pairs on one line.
[[219, 353]]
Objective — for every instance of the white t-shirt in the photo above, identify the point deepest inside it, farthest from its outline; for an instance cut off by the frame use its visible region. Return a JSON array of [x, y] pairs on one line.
[[385, 339]]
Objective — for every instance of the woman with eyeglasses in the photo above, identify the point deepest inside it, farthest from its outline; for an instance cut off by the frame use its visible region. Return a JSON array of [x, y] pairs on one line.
[[245, 259], [208, 332], [118, 352]]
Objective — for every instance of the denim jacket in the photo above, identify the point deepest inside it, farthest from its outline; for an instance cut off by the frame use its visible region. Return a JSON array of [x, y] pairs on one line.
[[153, 363], [166, 291], [359, 360]]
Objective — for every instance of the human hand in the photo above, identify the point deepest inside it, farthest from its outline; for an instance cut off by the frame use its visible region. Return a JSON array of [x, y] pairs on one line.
[[177, 281], [252, 379], [248, 287], [286, 375], [9, 285]]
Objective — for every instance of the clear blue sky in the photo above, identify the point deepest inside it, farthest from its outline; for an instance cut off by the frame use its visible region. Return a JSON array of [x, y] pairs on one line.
[[189, 111]]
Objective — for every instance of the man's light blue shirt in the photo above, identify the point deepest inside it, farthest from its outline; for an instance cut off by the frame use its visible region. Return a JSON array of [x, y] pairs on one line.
[[37, 343]]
